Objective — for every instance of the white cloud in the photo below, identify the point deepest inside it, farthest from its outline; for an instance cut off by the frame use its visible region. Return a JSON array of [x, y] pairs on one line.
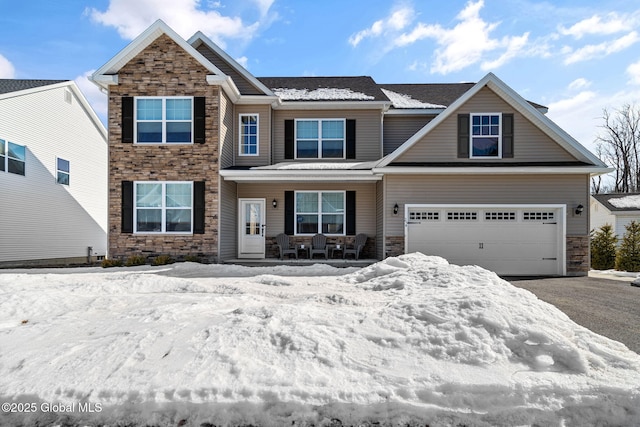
[[612, 23], [243, 60], [603, 49], [578, 84], [397, 21], [131, 18], [96, 98], [467, 42], [7, 71], [633, 71]]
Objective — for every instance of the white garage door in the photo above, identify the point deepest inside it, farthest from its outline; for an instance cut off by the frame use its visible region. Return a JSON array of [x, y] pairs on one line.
[[510, 240]]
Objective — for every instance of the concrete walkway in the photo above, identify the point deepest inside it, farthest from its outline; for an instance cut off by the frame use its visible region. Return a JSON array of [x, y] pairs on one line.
[[605, 306]]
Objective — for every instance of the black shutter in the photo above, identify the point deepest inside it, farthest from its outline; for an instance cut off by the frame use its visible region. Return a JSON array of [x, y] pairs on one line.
[[198, 207], [507, 135], [127, 207], [351, 213], [289, 213], [289, 135], [463, 136], [199, 119], [351, 139], [127, 119]]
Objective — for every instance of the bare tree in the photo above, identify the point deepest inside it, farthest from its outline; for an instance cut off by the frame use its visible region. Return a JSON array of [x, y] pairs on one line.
[[619, 146]]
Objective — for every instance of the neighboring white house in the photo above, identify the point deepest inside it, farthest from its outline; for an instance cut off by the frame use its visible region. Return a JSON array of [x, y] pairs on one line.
[[618, 210], [53, 174]]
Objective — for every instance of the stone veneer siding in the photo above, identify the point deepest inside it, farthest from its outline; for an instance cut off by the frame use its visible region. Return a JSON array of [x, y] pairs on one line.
[[163, 69], [578, 256]]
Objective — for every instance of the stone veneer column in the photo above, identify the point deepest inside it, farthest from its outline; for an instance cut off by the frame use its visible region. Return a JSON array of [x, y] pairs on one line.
[[578, 255], [163, 69]]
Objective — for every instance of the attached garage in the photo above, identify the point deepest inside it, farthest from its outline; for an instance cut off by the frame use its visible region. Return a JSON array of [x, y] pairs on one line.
[[508, 239]]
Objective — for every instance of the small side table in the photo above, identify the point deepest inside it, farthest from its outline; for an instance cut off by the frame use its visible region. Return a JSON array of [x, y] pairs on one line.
[[337, 248], [304, 249]]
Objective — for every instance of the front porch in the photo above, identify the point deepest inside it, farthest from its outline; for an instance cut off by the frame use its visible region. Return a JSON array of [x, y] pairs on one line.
[[267, 262]]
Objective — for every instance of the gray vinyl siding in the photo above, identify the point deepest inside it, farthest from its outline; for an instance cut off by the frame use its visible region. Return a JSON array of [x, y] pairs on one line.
[[41, 219], [264, 135], [569, 190], [398, 129], [380, 219], [530, 143], [365, 202], [244, 86], [228, 234], [226, 131], [368, 131]]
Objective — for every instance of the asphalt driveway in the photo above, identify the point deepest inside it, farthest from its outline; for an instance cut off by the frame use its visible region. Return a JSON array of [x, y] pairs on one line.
[[607, 307]]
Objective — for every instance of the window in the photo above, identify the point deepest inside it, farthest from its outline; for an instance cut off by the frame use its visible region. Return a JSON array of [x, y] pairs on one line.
[[163, 207], [320, 139], [320, 212], [63, 171], [248, 134], [164, 120], [12, 157], [462, 216], [485, 135]]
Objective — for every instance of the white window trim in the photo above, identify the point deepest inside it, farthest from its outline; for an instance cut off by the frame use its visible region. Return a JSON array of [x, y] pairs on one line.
[[61, 171], [319, 213], [7, 157], [344, 139], [240, 144], [163, 120], [163, 208], [499, 156]]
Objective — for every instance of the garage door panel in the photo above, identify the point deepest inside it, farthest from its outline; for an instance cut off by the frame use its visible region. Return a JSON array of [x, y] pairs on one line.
[[507, 240]]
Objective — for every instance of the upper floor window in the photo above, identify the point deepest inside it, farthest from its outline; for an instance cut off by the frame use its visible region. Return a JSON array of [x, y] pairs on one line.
[[163, 207], [62, 167], [486, 136], [320, 139], [164, 120], [12, 157], [249, 135]]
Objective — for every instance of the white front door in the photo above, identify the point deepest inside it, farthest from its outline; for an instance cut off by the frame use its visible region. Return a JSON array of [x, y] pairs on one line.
[[252, 227]]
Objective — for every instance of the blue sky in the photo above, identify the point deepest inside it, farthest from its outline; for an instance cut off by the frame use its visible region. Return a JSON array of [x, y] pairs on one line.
[[575, 56]]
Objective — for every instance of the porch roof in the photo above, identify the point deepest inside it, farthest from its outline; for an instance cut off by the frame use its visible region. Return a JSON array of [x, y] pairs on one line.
[[304, 172]]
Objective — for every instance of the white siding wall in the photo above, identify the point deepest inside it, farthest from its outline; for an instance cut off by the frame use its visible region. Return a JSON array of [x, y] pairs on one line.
[[40, 219]]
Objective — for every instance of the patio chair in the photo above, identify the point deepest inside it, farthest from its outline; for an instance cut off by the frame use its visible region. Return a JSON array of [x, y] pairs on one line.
[[284, 246], [319, 246], [358, 245]]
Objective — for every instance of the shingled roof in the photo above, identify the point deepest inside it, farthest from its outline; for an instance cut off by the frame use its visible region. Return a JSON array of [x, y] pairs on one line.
[[359, 88], [619, 202], [13, 85]]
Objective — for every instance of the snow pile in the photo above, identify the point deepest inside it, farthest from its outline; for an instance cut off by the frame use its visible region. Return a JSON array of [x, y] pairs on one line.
[[401, 100], [321, 94], [626, 202], [410, 340]]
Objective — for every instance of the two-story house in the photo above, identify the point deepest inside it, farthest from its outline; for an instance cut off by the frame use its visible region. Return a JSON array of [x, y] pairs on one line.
[[209, 160], [53, 175]]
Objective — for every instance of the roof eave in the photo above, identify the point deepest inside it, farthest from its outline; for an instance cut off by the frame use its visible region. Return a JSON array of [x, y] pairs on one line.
[[494, 170], [333, 105]]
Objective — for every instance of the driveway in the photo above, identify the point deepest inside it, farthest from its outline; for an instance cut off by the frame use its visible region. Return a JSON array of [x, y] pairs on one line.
[[607, 307]]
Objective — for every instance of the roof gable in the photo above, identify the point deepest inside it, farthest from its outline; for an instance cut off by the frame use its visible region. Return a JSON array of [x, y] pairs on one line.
[[517, 103], [231, 67], [105, 75]]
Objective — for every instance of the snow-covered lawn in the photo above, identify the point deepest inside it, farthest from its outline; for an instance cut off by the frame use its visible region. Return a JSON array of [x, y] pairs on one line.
[[410, 340]]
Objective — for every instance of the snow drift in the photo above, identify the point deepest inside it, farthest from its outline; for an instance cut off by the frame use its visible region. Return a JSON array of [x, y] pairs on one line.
[[408, 340]]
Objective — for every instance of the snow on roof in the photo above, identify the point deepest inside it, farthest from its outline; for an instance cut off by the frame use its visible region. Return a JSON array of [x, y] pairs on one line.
[[318, 166], [321, 94], [408, 338], [401, 100], [626, 202]]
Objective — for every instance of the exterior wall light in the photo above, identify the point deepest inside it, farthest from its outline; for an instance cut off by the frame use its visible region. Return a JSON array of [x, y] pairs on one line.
[[579, 209], [395, 209], [274, 203]]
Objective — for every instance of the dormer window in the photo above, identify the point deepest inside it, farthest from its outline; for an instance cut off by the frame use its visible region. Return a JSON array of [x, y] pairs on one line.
[[486, 136]]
